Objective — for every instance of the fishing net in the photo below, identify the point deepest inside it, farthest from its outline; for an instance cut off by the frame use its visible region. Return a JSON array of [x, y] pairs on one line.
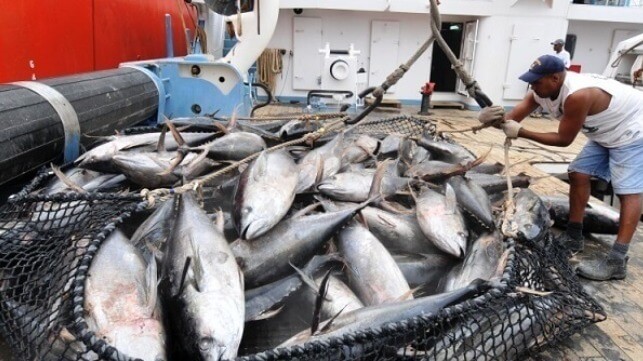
[[47, 243], [538, 303], [403, 125]]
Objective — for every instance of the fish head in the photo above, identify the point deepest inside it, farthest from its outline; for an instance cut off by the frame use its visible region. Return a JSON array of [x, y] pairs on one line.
[[210, 350], [530, 231], [251, 225], [90, 160]]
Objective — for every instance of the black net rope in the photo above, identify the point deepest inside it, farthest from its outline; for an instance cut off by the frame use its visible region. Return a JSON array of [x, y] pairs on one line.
[[47, 243], [46, 246], [500, 324]]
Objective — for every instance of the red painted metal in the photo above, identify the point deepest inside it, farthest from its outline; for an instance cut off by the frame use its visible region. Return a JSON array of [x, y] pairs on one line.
[[47, 38], [127, 30]]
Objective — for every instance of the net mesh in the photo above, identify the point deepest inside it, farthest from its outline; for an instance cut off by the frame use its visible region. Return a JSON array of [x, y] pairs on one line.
[[47, 243]]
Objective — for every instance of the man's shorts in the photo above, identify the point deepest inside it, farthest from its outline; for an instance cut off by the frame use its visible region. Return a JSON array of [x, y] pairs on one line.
[[622, 165]]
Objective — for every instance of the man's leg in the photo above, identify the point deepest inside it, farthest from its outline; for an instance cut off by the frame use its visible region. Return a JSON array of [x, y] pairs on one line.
[[626, 170], [593, 160], [630, 215], [579, 191]]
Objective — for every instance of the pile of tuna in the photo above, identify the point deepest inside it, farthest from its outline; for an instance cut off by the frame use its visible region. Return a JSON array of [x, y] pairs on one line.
[[302, 244]]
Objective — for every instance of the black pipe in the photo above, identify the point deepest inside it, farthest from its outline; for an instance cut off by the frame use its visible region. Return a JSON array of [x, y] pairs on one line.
[[31, 131], [261, 105], [365, 112]]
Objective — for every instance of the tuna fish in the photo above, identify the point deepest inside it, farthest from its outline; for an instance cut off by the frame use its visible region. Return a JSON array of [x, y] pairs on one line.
[[233, 146], [121, 300], [378, 316], [446, 151], [338, 299], [152, 235], [264, 194], [297, 128], [150, 170], [203, 290], [493, 183], [294, 240], [355, 186], [473, 200], [372, 271], [100, 158], [441, 221], [599, 218], [261, 301], [389, 146], [425, 270], [321, 163], [361, 149], [484, 260], [531, 218], [399, 233]]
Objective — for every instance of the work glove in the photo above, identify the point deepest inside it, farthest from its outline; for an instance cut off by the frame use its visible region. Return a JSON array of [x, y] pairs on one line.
[[491, 114], [511, 128]]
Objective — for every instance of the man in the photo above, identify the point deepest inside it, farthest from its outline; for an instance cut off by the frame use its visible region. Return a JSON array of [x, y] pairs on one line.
[[610, 114], [561, 53]]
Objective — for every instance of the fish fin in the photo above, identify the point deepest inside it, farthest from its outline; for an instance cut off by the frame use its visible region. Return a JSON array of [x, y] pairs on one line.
[[175, 163], [136, 145], [375, 194], [268, 314], [306, 278], [151, 281], [200, 158], [304, 211], [233, 118], [361, 219], [160, 146], [175, 133], [184, 274], [220, 222], [261, 166], [451, 201], [385, 222], [197, 267], [220, 127], [319, 301], [328, 323], [68, 182], [405, 296], [395, 208], [320, 170]]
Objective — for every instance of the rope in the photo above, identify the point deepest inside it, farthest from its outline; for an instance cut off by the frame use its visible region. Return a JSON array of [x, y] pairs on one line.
[[187, 43], [163, 193], [303, 117], [270, 63], [508, 227]]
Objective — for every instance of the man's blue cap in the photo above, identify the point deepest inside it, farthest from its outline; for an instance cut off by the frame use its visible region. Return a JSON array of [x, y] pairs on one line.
[[544, 65]]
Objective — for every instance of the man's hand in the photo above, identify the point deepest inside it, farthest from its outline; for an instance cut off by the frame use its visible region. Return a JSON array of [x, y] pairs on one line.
[[511, 128], [491, 114]]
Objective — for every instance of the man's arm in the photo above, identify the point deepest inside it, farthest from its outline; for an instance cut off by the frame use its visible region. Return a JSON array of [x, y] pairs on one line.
[[567, 59], [576, 109], [523, 109]]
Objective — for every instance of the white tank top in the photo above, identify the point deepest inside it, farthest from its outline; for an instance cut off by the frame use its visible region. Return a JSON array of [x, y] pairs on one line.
[[620, 124]]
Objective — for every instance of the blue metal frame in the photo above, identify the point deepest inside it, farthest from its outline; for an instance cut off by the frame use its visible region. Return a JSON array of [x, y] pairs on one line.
[[185, 94]]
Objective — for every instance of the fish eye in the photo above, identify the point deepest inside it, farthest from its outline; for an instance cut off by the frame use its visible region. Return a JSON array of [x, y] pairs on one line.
[[205, 343]]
